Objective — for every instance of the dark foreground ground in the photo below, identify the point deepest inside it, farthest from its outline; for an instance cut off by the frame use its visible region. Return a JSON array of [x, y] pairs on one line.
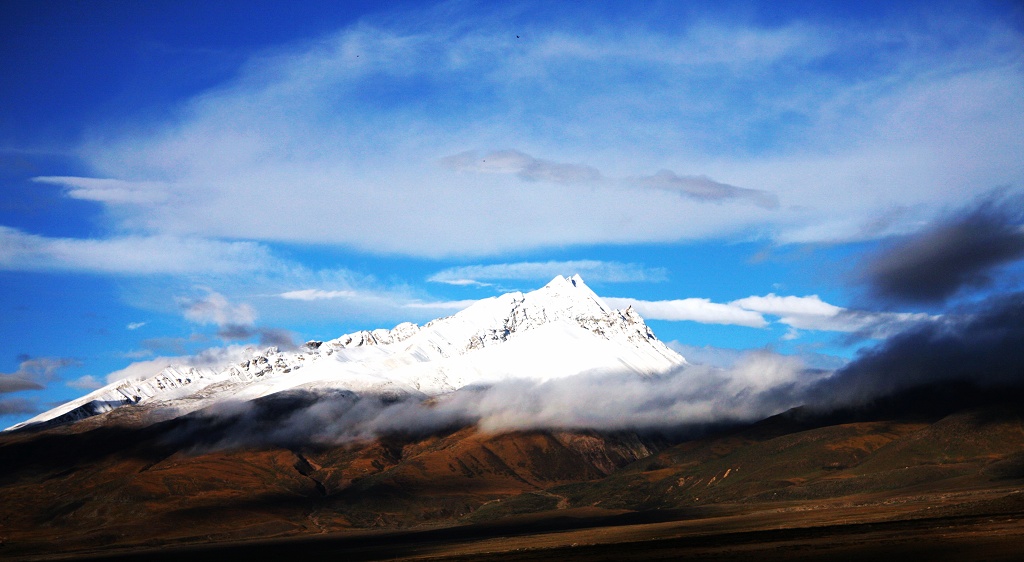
[[941, 483], [922, 527]]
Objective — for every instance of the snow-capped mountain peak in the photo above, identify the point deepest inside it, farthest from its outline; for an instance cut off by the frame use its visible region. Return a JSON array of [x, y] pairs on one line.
[[559, 330]]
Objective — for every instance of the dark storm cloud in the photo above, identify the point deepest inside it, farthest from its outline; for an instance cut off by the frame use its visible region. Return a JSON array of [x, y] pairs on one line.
[[13, 406], [983, 347], [33, 373], [12, 383], [235, 332], [958, 252], [281, 339], [275, 337]]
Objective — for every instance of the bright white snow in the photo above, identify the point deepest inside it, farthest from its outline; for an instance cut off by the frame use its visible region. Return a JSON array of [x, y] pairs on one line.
[[559, 330]]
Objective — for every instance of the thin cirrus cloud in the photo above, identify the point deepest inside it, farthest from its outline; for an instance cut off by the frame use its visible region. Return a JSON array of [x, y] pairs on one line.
[[294, 136], [595, 271]]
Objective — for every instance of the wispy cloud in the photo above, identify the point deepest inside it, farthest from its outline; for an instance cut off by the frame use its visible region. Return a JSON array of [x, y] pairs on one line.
[[591, 270], [442, 305], [317, 295], [214, 308], [87, 382], [935, 120], [110, 191], [395, 301], [135, 325], [523, 166], [132, 255]]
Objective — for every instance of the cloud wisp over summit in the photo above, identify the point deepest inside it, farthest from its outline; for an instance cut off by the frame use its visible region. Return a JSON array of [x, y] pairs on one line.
[[594, 271]]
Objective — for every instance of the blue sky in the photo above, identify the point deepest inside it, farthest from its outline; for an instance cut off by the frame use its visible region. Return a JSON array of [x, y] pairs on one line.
[[179, 180]]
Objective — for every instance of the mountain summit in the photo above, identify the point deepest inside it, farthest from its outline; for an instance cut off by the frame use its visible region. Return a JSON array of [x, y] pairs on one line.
[[559, 330]]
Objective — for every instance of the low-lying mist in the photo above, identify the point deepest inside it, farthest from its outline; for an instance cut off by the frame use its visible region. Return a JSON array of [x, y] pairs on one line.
[[762, 383]]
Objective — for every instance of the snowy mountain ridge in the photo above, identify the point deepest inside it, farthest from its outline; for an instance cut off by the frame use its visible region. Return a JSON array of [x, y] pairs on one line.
[[561, 329]]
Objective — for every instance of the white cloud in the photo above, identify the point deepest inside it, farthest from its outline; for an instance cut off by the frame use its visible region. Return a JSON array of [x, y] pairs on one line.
[[789, 305], [214, 357], [316, 295], [591, 270], [129, 255], [111, 191], [214, 308], [294, 150], [692, 309], [135, 325], [799, 313], [522, 165], [442, 305], [759, 384], [383, 299], [87, 382], [811, 313]]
